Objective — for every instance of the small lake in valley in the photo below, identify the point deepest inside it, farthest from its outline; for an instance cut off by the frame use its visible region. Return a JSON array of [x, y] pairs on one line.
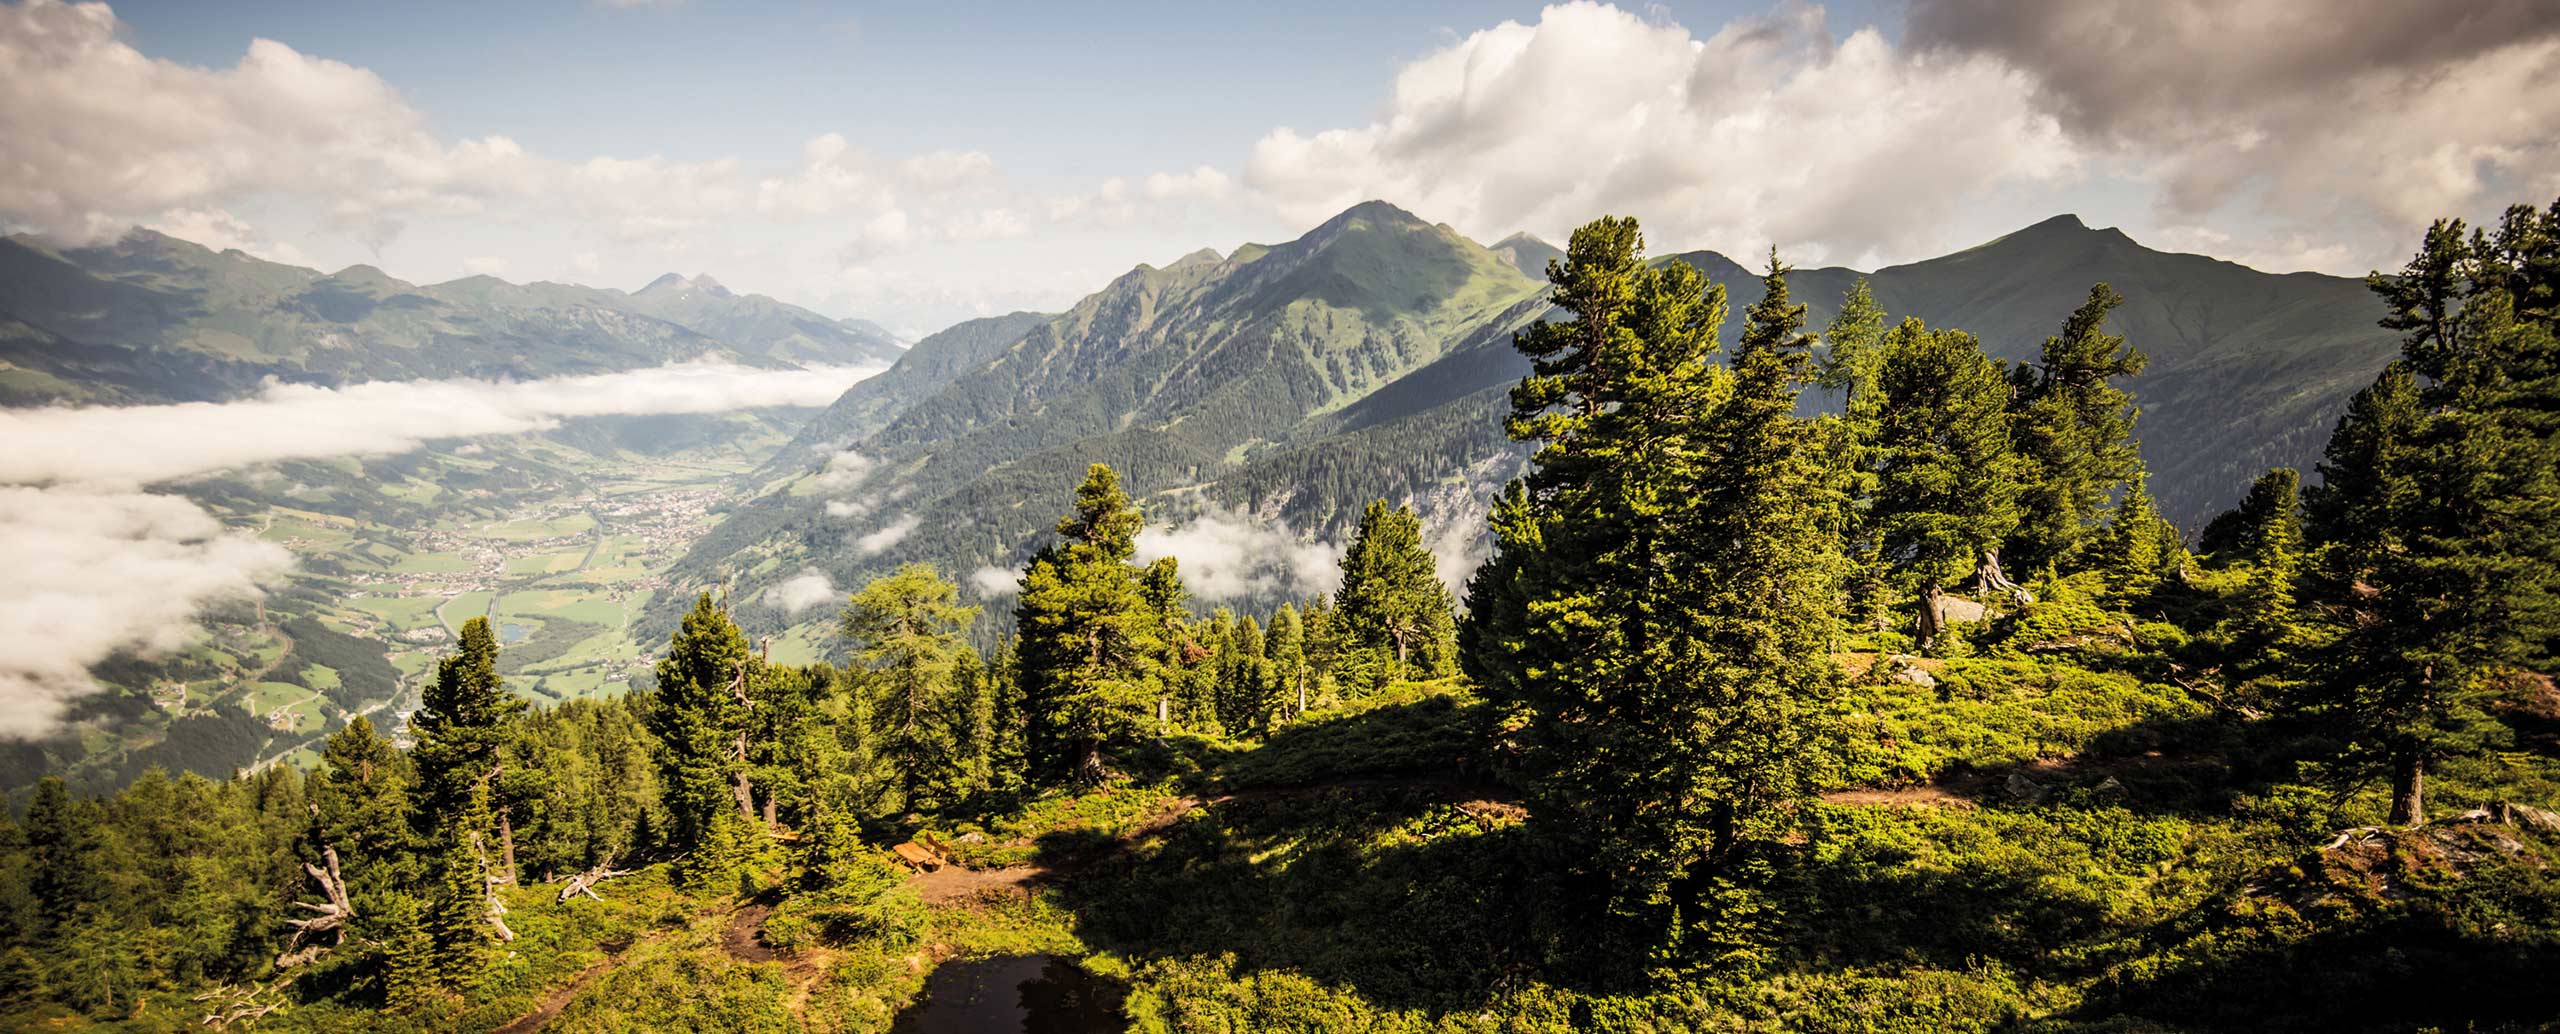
[[1032, 994]]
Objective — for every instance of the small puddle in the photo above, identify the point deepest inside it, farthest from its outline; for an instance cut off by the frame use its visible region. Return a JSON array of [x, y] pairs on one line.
[[1032, 994], [513, 633]]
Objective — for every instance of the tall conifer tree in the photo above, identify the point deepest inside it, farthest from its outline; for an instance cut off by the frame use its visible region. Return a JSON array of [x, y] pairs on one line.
[[1092, 649], [1391, 603]]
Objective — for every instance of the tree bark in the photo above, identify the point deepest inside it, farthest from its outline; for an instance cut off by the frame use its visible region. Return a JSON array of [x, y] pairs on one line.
[[1988, 574], [2408, 788], [507, 845], [1089, 767], [1932, 614]]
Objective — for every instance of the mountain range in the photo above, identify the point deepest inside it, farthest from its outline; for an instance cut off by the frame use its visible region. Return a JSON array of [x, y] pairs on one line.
[[1372, 358], [151, 318]]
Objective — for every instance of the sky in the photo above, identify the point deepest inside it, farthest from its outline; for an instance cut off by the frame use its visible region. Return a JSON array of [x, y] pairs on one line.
[[920, 164]]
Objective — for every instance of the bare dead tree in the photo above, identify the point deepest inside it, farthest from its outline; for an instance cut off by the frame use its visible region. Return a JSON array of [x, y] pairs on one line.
[[585, 882], [489, 882], [241, 1005], [1990, 580], [744, 789], [329, 918]]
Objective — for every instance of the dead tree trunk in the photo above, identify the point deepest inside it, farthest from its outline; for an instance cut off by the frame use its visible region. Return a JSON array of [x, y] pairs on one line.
[[1991, 580], [585, 882], [2408, 788], [507, 845], [1933, 614], [331, 918], [744, 789], [489, 883]]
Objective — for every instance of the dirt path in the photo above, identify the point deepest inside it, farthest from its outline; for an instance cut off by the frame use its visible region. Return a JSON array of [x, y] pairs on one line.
[[549, 1007], [738, 935], [1927, 796]]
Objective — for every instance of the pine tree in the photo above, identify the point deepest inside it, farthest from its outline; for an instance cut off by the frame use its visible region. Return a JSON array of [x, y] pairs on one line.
[[1091, 649], [362, 808], [1659, 606], [456, 915], [906, 629], [2074, 427], [1947, 487], [699, 715], [2438, 527], [460, 726], [1391, 604], [1286, 649], [2137, 547]]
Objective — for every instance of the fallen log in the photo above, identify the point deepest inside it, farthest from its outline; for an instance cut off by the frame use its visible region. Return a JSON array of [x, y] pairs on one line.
[[585, 882]]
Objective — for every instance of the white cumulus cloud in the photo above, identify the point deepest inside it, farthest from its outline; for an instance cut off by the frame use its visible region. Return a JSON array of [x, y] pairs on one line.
[[143, 444], [1767, 130], [93, 571]]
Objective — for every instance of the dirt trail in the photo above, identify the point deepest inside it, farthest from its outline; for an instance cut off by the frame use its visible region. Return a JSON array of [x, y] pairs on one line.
[[1927, 796], [549, 1008], [738, 935]]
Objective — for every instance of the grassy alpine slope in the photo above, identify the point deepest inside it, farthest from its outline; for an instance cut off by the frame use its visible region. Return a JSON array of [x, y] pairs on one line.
[[2095, 852]]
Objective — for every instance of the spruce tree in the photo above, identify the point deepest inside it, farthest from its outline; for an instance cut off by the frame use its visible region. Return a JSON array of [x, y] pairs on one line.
[[906, 629], [698, 715], [1007, 718], [361, 807], [2074, 427], [1658, 610], [1391, 605], [1091, 649], [460, 725], [2438, 527], [62, 862], [1853, 358], [1763, 733], [2137, 547], [1245, 698], [1286, 649], [1947, 488]]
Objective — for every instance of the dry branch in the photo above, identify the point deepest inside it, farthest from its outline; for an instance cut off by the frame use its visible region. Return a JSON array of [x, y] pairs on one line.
[[331, 918], [585, 882]]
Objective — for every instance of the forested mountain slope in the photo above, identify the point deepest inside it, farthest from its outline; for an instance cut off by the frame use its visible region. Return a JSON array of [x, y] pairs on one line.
[[2248, 369], [153, 318], [922, 370], [1372, 357], [1176, 376]]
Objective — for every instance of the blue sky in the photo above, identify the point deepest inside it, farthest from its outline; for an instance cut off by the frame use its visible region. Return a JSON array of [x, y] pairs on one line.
[[917, 165]]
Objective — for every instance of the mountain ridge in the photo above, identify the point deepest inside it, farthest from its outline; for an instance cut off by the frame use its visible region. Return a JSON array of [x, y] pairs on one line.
[[149, 317], [1169, 374]]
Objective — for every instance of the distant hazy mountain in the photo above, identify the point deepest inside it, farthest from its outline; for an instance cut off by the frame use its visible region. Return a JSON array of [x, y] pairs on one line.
[[1372, 358], [923, 370], [1527, 254], [154, 318]]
